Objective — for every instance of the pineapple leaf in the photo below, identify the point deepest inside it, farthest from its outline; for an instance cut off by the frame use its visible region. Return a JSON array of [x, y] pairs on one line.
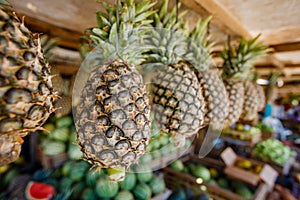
[[5, 3]]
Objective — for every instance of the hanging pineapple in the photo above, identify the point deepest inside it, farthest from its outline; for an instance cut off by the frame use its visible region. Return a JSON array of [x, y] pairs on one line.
[[212, 86], [176, 94], [272, 89], [237, 66], [113, 113], [26, 95]]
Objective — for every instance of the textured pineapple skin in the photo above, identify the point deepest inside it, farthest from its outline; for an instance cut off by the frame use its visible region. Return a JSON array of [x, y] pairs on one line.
[[177, 100], [26, 96], [235, 92], [261, 97], [215, 95], [113, 116], [10, 149], [251, 101]]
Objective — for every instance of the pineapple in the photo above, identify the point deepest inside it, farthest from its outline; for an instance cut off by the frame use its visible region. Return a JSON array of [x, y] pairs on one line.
[[26, 95], [237, 66], [213, 89], [177, 101], [261, 97], [251, 101], [113, 113], [10, 148]]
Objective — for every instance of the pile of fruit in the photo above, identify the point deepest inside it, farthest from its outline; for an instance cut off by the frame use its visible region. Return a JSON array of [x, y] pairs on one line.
[[273, 150], [160, 145], [212, 176], [75, 180], [249, 166], [242, 132], [188, 194], [60, 137]]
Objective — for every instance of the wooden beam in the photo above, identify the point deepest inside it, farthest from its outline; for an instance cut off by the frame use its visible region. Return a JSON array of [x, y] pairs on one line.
[[291, 71], [293, 46], [65, 68], [291, 79], [222, 18], [289, 89], [66, 38]]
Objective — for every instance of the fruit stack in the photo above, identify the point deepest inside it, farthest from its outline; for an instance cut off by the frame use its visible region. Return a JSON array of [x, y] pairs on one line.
[[58, 142], [206, 179], [274, 151], [243, 132], [75, 180]]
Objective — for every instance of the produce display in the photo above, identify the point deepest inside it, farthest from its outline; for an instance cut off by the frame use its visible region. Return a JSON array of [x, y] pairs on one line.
[[249, 166], [274, 151], [75, 180], [148, 87], [212, 176], [242, 132], [59, 137], [188, 194]]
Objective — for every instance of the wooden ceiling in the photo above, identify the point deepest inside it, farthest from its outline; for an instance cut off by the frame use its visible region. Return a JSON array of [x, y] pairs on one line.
[[277, 21]]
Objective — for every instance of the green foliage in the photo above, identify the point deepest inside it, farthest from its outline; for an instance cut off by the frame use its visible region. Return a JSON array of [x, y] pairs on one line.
[[239, 60]]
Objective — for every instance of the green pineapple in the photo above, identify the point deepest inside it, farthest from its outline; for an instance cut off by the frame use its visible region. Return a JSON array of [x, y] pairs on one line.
[[177, 101], [113, 113], [237, 67], [212, 86]]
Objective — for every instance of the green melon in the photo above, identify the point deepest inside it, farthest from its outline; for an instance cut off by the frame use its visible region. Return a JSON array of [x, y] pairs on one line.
[[106, 188], [124, 195], [92, 177], [66, 182], [142, 191], [157, 185], [64, 121], [65, 171], [177, 195], [88, 194], [155, 154], [144, 173], [129, 182], [146, 158], [74, 152], [201, 172], [77, 189], [52, 148], [79, 170], [163, 139], [177, 165], [60, 134]]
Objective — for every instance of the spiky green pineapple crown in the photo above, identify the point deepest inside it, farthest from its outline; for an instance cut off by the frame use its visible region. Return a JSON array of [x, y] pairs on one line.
[[167, 39], [198, 47], [121, 38], [4, 2], [239, 61]]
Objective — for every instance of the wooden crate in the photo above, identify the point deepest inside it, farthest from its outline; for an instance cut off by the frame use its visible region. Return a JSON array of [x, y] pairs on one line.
[[49, 162], [235, 135], [175, 180], [281, 169]]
